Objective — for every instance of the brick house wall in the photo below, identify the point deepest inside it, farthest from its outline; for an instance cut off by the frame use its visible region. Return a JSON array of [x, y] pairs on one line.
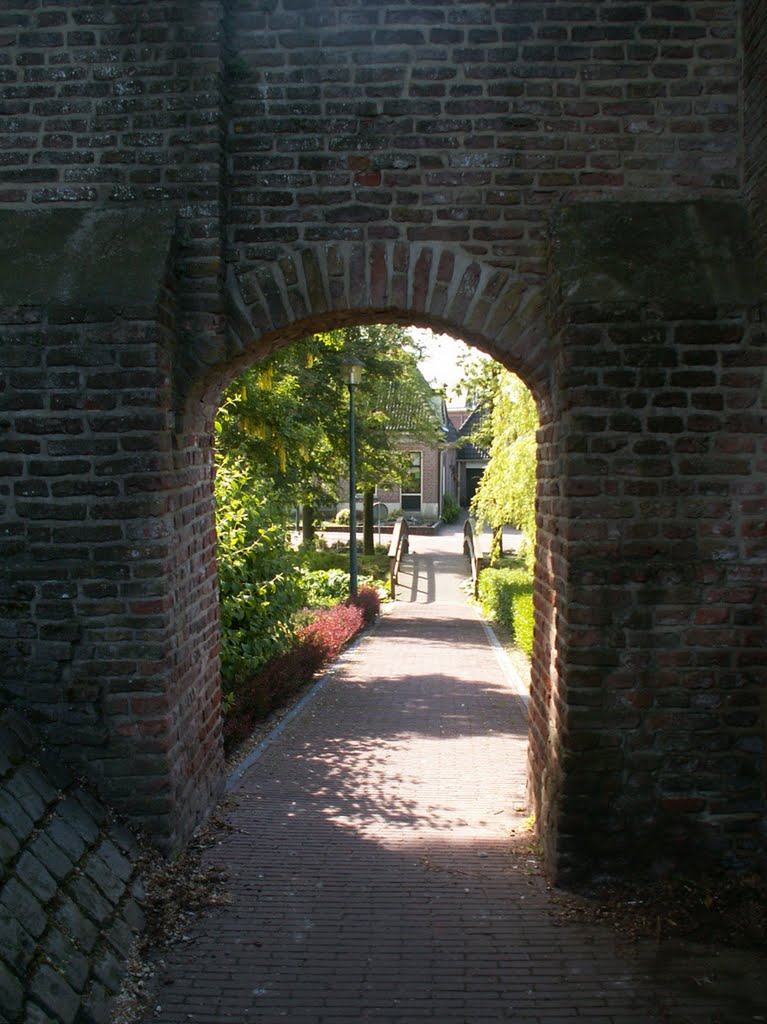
[[430, 480]]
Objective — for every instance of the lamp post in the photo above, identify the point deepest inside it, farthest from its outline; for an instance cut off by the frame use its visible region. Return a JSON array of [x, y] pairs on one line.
[[352, 375]]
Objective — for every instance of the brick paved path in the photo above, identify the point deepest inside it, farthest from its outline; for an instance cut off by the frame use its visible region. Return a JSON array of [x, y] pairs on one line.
[[371, 864]]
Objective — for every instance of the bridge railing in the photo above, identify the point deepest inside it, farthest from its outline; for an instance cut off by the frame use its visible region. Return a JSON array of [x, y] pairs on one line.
[[397, 548], [472, 548]]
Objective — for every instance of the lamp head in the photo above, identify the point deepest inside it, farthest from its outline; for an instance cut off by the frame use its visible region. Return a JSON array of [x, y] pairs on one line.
[[352, 370]]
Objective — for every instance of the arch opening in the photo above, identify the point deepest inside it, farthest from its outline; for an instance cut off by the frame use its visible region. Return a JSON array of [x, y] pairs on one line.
[[284, 426], [520, 348]]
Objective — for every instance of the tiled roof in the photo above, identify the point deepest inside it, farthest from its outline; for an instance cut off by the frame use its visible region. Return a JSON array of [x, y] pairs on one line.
[[467, 448], [408, 415]]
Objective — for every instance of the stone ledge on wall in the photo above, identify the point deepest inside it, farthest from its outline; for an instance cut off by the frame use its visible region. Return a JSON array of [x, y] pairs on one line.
[[70, 890], [85, 259], [673, 255]]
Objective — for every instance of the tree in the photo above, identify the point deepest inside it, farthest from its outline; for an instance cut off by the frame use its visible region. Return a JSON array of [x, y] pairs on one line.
[[506, 492], [280, 416], [259, 587], [287, 417]]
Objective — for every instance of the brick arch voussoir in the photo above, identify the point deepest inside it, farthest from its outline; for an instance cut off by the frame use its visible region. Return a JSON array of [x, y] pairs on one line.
[[320, 288]]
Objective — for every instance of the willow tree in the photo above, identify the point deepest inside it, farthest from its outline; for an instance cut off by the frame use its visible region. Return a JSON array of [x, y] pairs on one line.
[[506, 492]]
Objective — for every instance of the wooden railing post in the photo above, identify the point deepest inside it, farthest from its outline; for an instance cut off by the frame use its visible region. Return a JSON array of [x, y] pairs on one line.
[[472, 548], [398, 547]]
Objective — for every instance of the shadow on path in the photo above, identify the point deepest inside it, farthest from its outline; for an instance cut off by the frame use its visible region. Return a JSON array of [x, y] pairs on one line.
[[379, 868]]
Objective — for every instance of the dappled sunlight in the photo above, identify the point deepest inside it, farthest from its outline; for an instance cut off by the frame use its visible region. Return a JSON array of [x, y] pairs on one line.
[[420, 767], [402, 788]]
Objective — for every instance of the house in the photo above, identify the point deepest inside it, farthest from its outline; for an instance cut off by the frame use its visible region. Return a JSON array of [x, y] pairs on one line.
[[471, 458], [452, 466], [448, 462], [433, 469]]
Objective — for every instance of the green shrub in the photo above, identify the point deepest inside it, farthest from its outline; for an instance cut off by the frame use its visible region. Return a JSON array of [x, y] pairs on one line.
[[258, 581], [325, 587], [506, 596], [451, 510], [371, 567], [343, 517]]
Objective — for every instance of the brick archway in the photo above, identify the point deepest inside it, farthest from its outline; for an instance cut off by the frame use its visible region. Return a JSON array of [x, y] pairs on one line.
[[186, 187], [315, 290], [425, 285]]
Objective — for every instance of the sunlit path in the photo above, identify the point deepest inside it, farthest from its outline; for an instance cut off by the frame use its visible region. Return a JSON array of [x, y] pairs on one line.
[[375, 863]]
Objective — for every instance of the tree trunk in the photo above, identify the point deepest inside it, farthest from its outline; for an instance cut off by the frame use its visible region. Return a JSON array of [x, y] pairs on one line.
[[496, 548], [368, 539], [307, 524]]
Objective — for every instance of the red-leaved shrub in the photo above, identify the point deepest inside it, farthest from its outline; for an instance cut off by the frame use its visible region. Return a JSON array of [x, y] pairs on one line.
[[332, 627], [369, 601], [318, 642]]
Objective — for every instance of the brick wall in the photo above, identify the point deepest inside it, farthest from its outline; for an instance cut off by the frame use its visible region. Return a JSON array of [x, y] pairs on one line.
[[460, 123], [329, 164], [755, 114], [662, 633], [109, 103], [115, 105], [99, 595]]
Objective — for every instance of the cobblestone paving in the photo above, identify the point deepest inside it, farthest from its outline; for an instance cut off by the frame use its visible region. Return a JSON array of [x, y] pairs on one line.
[[370, 862]]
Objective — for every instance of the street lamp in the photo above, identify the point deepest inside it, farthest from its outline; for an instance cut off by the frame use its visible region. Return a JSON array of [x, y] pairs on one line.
[[352, 375]]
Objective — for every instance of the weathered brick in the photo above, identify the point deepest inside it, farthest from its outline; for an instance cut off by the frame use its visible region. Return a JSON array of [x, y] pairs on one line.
[[60, 832], [36, 877], [14, 816], [11, 991], [18, 946], [55, 994], [19, 902], [67, 960], [77, 925]]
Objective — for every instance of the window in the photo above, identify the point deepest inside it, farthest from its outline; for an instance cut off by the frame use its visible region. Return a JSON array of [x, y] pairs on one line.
[[411, 485]]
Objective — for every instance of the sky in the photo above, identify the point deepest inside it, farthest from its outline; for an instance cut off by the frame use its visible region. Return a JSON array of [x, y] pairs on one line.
[[440, 364]]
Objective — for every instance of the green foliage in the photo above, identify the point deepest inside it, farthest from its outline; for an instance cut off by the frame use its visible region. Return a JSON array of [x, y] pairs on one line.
[[374, 567], [287, 417], [506, 596], [479, 382], [263, 418], [506, 492], [451, 510], [325, 587], [258, 582]]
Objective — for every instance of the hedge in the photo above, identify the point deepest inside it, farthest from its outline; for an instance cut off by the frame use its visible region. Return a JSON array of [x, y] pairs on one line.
[[506, 597]]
